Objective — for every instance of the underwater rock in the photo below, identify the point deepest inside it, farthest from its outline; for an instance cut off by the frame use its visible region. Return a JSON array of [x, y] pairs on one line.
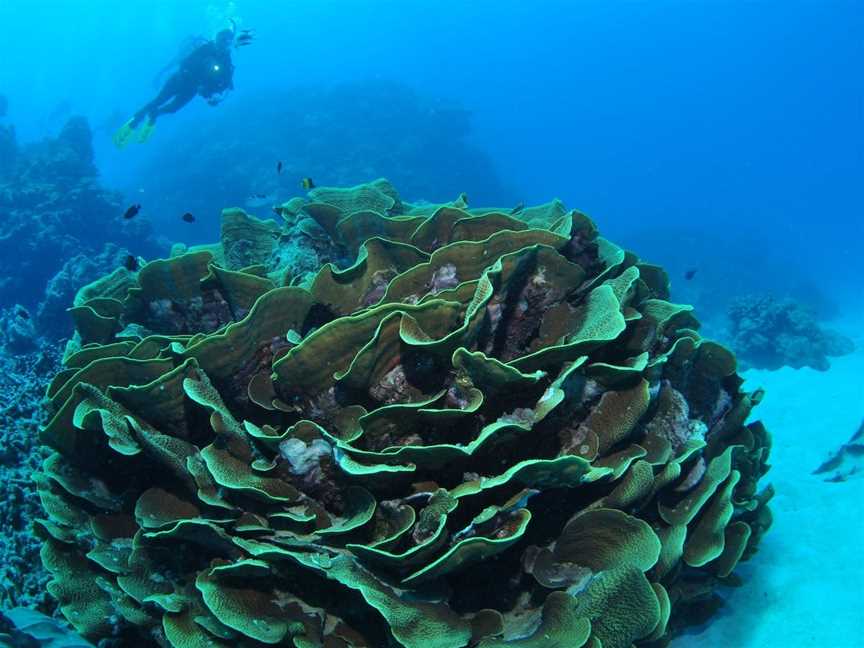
[[484, 429], [31, 629], [17, 331], [769, 333]]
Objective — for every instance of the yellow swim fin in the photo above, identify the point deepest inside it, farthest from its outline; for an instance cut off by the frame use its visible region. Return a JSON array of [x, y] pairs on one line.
[[123, 135], [145, 131]]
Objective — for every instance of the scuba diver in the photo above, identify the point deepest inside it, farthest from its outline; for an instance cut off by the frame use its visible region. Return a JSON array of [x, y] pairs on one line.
[[207, 71]]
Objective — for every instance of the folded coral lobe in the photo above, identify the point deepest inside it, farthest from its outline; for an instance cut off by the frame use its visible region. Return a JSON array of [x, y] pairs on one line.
[[472, 428]]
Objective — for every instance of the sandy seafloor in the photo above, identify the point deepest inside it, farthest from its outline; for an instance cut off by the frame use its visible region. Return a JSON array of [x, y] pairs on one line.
[[805, 586]]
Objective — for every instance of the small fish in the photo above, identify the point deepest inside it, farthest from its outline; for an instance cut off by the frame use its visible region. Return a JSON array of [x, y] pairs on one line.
[[22, 313], [279, 166], [130, 263], [261, 200], [132, 212], [847, 461], [518, 208], [307, 184], [690, 274], [188, 218]]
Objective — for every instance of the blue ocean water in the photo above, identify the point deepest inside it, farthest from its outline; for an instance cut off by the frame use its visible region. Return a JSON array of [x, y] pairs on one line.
[[721, 140], [733, 126]]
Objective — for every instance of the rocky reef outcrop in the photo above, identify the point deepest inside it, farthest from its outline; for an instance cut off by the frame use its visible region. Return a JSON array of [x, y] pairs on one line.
[[488, 428], [59, 228], [770, 333]]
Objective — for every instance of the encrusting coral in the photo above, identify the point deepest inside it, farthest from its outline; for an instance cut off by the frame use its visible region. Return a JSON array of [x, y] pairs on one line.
[[22, 385], [769, 333], [492, 429]]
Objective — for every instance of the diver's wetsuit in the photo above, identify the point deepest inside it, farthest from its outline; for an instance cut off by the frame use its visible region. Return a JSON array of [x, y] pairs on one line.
[[207, 71]]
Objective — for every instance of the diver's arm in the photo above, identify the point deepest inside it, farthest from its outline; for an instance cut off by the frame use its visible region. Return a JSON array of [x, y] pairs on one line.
[[214, 98], [187, 48]]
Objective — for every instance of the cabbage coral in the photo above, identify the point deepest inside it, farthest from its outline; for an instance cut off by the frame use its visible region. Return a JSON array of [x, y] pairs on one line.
[[492, 429]]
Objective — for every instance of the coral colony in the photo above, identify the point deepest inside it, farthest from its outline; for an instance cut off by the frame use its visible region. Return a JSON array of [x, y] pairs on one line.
[[486, 429], [770, 333]]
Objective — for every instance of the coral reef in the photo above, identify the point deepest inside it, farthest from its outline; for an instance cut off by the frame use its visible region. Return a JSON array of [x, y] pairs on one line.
[[54, 213], [17, 331], [490, 429], [52, 319], [341, 135], [22, 390], [769, 333]]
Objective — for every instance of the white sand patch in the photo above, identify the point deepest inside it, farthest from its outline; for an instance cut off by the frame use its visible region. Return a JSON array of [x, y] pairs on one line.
[[805, 587]]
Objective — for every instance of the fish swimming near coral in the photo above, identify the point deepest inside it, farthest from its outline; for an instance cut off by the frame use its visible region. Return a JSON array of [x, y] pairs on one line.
[[261, 199], [131, 263], [279, 166], [23, 313], [188, 217], [689, 274], [307, 184], [132, 211], [847, 462]]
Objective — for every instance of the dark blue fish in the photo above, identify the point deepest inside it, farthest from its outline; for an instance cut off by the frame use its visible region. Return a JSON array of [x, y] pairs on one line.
[[130, 263]]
